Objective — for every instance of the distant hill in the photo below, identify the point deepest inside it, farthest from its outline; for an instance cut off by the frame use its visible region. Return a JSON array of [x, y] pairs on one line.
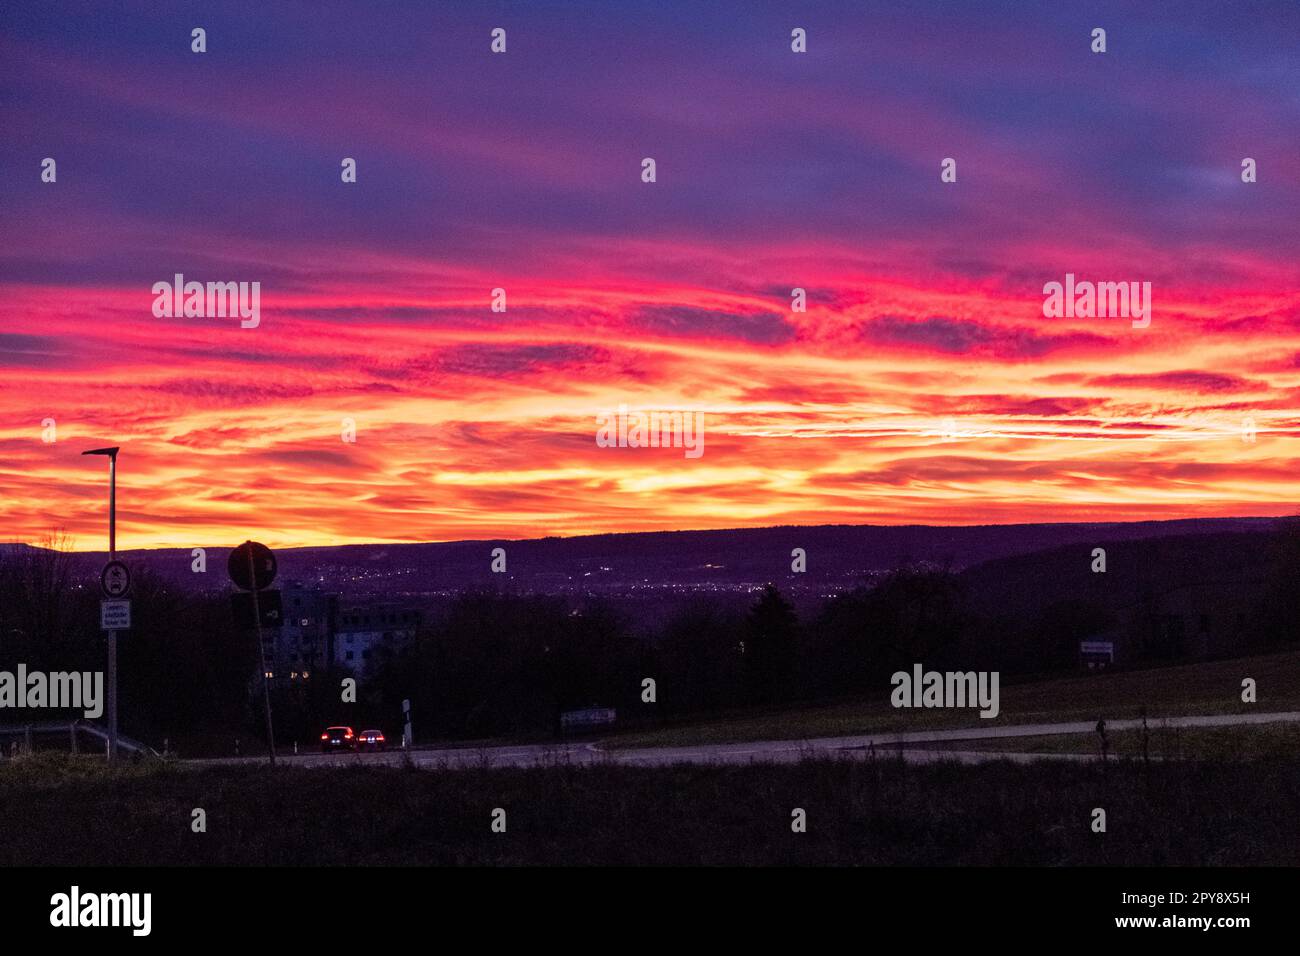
[[1022, 585], [837, 556]]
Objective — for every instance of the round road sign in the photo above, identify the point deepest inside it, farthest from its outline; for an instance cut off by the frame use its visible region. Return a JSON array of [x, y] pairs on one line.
[[262, 570], [115, 579]]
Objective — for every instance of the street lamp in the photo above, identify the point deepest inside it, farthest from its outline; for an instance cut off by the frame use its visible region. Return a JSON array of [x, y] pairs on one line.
[[112, 635]]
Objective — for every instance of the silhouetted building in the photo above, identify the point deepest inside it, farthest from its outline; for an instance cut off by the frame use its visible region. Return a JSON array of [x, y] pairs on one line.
[[303, 645], [363, 632]]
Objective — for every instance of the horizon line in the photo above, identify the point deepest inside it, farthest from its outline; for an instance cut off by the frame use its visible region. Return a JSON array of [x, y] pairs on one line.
[[628, 534]]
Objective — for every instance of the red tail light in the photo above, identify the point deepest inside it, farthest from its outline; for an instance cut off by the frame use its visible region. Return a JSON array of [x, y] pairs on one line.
[[348, 735], [324, 736]]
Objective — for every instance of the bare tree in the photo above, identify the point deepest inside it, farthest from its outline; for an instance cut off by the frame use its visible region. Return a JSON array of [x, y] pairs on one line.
[[34, 597]]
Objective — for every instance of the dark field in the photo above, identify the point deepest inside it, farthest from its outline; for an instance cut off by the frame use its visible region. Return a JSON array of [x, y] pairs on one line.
[[59, 811], [1205, 687]]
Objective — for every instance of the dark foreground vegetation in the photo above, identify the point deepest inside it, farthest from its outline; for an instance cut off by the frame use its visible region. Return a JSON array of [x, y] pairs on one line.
[[59, 811], [503, 664]]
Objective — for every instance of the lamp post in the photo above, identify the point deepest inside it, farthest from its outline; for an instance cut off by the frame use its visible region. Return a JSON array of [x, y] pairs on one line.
[[112, 635]]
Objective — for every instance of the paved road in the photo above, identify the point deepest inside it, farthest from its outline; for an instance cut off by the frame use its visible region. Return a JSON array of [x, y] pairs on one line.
[[764, 751]]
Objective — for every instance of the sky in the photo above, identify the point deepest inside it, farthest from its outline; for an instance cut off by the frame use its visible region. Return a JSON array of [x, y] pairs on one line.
[[923, 383]]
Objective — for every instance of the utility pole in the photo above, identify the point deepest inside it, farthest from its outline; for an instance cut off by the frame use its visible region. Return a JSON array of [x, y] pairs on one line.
[[261, 650], [111, 453]]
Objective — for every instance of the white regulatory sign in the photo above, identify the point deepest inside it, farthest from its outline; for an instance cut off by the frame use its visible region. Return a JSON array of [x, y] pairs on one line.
[[114, 615]]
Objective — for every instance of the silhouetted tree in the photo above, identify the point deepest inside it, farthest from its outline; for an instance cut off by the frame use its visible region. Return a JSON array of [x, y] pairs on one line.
[[37, 603], [912, 615], [1280, 611], [771, 635], [699, 659]]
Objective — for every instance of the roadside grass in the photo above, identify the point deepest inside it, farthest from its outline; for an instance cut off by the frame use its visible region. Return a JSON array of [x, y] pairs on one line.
[[877, 811], [52, 769], [1246, 743], [1211, 687]]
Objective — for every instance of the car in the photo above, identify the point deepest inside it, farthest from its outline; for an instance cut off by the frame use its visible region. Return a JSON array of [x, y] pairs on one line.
[[371, 740], [337, 738]]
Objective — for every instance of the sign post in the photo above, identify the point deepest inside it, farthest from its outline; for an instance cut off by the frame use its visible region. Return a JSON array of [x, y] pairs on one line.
[[114, 616], [1097, 655], [587, 719], [252, 567]]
